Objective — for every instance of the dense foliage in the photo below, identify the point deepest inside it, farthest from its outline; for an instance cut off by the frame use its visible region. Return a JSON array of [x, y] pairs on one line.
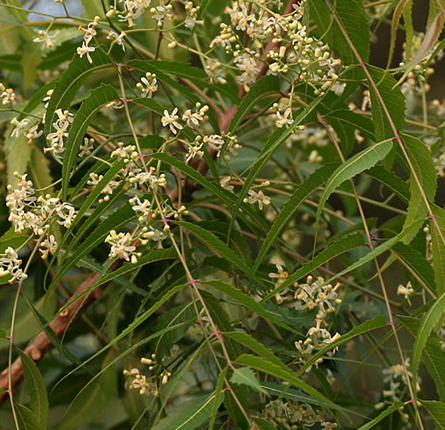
[[221, 214]]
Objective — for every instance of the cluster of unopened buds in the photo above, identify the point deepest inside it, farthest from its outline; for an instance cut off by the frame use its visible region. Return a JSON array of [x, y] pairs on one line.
[[28, 211], [395, 379], [148, 385], [7, 96], [295, 415]]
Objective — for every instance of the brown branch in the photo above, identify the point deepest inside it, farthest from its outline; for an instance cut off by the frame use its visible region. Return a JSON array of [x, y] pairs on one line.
[[41, 344]]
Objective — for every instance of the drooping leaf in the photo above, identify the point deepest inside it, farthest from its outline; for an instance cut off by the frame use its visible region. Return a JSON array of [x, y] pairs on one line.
[[89, 108], [432, 318], [248, 302], [437, 412], [388, 411], [92, 401], [360, 162], [189, 416], [71, 80], [36, 389], [437, 235], [377, 322], [388, 103], [211, 241], [344, 245], [283, 373], [291, 206], [246, 376], [354, 20], [433, 355]]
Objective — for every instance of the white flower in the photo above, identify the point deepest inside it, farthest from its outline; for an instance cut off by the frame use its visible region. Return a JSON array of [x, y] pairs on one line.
[[215, 141], [10, 265], [248, 65], [148, 85], [280, 276], [284, 120], [86, 147], [67, 213], [57, 138], [161, 12], [117, 39], [45, 39], [259, 197], [7, 95], [121, 246], [19, 125], [406, 291], [33, 134], [171, 120], [49, 245], [225, 183], [85, 49], [192, 118]]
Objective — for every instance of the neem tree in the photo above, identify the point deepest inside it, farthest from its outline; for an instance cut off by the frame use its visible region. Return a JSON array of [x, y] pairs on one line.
[[220, 215]]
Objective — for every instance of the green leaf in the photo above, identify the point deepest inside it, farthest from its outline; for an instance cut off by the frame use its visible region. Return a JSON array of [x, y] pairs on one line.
[[218, 397], [422, 162], [26, 419], [390, 180], [90, 106], [433, 317], [433, 355], [354, 19], [266, 87], [392, 98], [360, 162], [190, 415], [246, 376], [91, 401], [377, 322], [255, 346], [225, 196], [291, 206], [36, 389], [248, 302], [417, 263], [344, 245], [396, 406], [182, 316], [218, 246], [378, 250], [283, 373], [71, 80], [437, 412], [401, 8], [438, 247]]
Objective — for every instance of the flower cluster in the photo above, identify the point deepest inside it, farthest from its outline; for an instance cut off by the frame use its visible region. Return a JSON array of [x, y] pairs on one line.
[[396, 383], [7, 96], [148, 385], [90, 32], [297, 54], [133, 9], [295, 415], [29, 212], [10, 266]]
